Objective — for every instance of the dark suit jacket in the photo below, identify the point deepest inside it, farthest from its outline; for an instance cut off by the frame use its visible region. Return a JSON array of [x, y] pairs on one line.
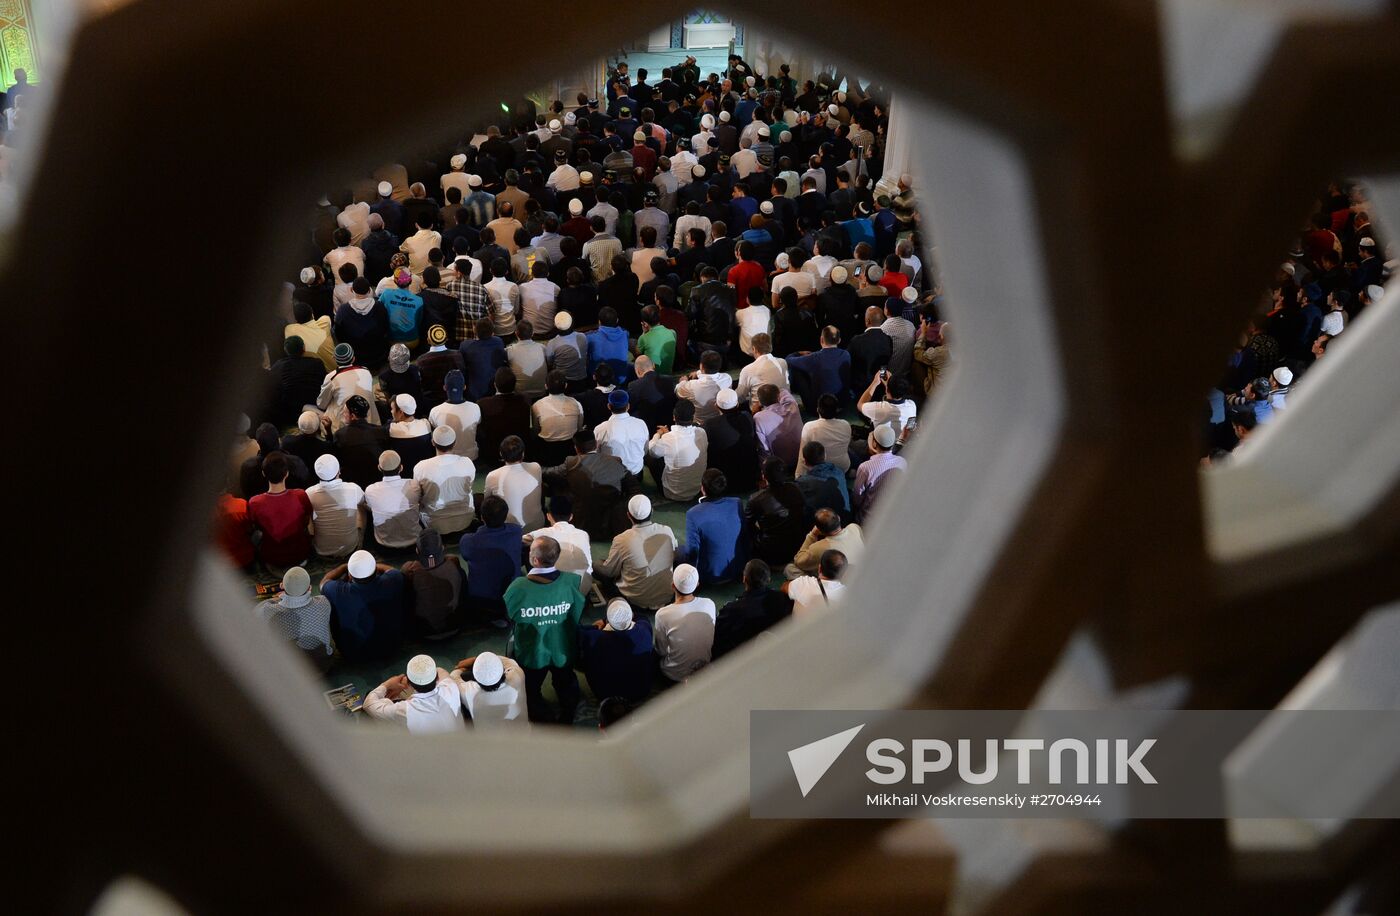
[[653, 399], [870, 350], [598, 484], [357, 445]]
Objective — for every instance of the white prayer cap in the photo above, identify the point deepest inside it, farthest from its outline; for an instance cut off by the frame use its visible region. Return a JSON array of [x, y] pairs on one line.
[[909, 294], [459, 161], [422, 670], [570, 119], [1374, 292], [1283, 375], [686, 579], [385, 189], [619, 614], [707, 122], [389, 460], [838, 274], [875, 273], [407, 403], [832, 109], [473, 181], [296, 587], [444, 436], [555, 126], [766, 208], [727, 399], [724, 117], [638, 136], [1290, 268], [307, 275], [639, 507], [361, 564], [487, 670], [563, 321], [782, 261], [308, 422], [884, 435], [763, 130], [785, 136], [575, 207], [1367, 242], [841, 97], [243, 424], [327, 466], [698, 171], [749, 81]]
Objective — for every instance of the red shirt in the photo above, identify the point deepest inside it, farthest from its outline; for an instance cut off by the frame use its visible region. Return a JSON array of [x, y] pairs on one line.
[[894, 282], [744, 276], [233, 530], [282, 518], [644, 158]]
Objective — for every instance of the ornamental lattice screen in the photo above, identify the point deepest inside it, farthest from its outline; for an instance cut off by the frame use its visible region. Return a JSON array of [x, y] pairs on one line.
[[1054, 520]]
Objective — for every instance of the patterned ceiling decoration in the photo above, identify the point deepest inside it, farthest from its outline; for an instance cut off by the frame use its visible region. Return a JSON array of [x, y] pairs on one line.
[[16, 42]]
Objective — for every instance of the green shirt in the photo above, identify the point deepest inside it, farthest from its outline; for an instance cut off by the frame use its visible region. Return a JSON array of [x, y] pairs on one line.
[[660, 344], [546, 617]]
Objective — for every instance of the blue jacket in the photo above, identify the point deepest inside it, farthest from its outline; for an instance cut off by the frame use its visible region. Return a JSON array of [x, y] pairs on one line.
[[483, 358], [714, 539], [618, 664], [859, 230], [829, 369], [367, 617], [832, 472], [606, 343], [492, 556]]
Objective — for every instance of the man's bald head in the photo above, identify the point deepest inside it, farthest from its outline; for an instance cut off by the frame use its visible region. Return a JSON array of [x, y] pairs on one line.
[[643, 365], [873, 316]]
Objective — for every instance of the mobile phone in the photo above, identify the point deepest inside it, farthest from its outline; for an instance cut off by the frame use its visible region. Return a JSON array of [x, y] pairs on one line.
[[858, 271]]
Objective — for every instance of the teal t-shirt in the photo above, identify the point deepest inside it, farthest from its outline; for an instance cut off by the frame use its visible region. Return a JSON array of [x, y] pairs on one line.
[[545, 615], [659, 343]]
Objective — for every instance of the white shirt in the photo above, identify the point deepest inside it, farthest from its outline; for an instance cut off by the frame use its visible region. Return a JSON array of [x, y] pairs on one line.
[[435, 712], [347, 254], [682, 164], [685, 450], [756, 319], [538, 300], [835, 437], [505, 298], [394, 504], [413, 428], [503, 706], [335, 516], [563, 178], [684, 635], [744, 162], [339, 387], [575, 551], [527, 361], [641, 263], [686, 223], [446, 484], [355, 218], [557, 417], [894, 414], [624, 437], [1333, 323], [449, 271], [521, 486], [819, 266], [417, 246], [458, 180], [702, 389], [807, 596], [800, 280], [765, 370], [463, 419]]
